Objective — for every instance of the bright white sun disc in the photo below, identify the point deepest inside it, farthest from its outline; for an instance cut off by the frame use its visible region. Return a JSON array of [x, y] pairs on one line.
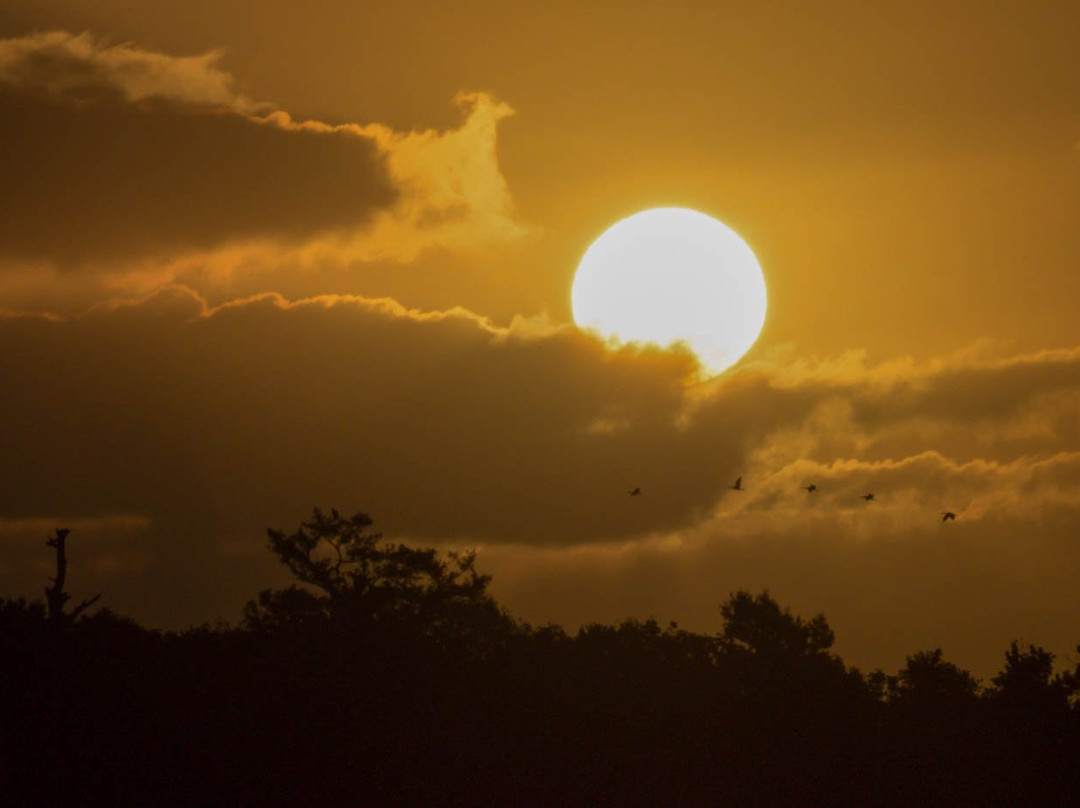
[[670, 275]]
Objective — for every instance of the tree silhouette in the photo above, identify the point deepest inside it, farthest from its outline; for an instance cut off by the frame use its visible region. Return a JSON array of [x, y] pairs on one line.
[[757, 625], [55, 596], [791, 705], [395, 665], [928, 681], [1028, 696], [349, 576], [1027, 682], [1035, 733], [937, 741]]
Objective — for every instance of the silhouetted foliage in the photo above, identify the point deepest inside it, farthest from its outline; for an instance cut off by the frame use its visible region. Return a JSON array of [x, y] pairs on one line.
[[350, 578], [1027, 684], [757, 624], [388, 675], [927, 682]]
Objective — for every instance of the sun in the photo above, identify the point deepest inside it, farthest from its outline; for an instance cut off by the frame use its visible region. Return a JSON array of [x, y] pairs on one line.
[[673, 275]]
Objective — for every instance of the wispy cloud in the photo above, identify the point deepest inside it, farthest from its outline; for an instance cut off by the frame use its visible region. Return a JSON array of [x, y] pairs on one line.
[[82, 65]]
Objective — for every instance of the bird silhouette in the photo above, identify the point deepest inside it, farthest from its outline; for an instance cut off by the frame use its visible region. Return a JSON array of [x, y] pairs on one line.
[[634, 492], [868, 497], [947, 515], [810, 488], [738, 484]]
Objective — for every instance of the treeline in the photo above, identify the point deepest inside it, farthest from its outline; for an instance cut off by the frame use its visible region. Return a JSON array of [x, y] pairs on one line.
[[388, 675]]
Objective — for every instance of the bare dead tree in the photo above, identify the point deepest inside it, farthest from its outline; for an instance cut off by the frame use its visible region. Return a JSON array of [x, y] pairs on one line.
[[55, 596]]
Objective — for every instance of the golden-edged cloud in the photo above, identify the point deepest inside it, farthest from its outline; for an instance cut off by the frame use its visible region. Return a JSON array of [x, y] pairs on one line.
[[214, 422], [131, 169]]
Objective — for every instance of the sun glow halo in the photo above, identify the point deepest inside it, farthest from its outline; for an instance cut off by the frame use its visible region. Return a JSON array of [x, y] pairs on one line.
[[670, 275]]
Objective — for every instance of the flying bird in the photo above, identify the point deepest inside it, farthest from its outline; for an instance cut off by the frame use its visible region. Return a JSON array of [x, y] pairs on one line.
[[810, 488], [947, 515], [868, 497], [634, 492], [738, 484]]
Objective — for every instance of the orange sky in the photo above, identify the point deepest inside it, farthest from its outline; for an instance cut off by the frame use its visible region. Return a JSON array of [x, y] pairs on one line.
[[256, 257]]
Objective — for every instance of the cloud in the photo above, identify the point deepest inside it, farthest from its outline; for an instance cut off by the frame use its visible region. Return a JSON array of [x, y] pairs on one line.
[[219, 422], [104, 548], [216, 422], [132, 169], [891, 575], [100, 185], [349, 393], [454, 194], [79, 65]]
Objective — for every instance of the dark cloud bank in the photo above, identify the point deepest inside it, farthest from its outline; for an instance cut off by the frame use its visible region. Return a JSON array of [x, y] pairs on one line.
[[86, 184], [207, 426]]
